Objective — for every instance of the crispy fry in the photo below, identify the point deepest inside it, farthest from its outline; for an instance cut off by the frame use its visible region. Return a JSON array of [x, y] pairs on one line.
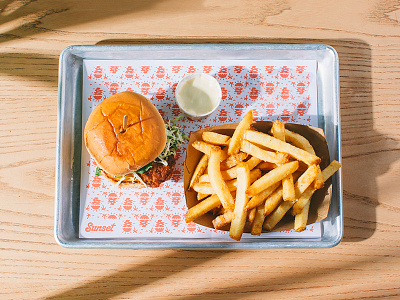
[[278, 130], [289, 193], [200, 168], [272, 177], [302, 143], [201, 196], [260, 197], [223, 220], [305, 180], [273, 201], [239, 219], [251, 215], [202, 207], [217, 183], [207, 188], [278, 145], [206, 148], [306, 196], [277, 215], [273, 157], [244, 124], [266, 166], [233, 160], [257, 225], [215, 138], [300, 220]]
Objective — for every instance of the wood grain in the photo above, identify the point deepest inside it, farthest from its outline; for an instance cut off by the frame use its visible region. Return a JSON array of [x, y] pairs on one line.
[[366, 264]]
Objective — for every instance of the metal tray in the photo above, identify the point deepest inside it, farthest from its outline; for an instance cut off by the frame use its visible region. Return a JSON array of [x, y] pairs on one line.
[[69, 136]]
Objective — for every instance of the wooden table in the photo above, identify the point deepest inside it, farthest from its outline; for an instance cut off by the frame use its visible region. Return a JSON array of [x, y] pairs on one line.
[[366, 35]]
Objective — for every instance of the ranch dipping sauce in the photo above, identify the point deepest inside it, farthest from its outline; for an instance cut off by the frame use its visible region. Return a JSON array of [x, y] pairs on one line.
[[198, 95]]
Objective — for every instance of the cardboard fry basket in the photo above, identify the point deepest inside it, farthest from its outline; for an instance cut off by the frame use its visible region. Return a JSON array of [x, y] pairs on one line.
[[320, 201]]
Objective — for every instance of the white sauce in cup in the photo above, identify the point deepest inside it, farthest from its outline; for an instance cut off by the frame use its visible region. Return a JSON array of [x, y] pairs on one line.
[[198, 95]]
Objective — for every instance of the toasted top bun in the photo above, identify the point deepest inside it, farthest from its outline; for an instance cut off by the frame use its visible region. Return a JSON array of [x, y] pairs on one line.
[[120, 152]]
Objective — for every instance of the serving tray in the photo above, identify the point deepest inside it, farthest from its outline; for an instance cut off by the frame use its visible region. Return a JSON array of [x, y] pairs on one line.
[[69, 145]]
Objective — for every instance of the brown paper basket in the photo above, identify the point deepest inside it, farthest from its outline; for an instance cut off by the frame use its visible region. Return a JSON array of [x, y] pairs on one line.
[[320, 201]]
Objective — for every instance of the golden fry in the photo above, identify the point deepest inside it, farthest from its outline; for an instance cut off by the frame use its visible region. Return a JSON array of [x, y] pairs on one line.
[[278, 145], [300, 220], [233, 160], [273, 201], [272, 177], [273, 157], [217, 182], [258, 222], [216, 138], [206, 148], [278, 130], [330, 170], [267, 166], [260, 197], [277, 215], [223, 220], [302, 201], [240, 215], [251, 215], [305, 180], [289, 193], [202, 207], [200, 168], [244, 124]]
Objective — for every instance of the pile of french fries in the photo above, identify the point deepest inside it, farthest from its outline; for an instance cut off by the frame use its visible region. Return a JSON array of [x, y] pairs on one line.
[[256, 177]]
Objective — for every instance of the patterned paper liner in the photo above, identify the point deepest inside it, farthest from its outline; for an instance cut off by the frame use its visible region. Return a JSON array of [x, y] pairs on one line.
[[277, 89]]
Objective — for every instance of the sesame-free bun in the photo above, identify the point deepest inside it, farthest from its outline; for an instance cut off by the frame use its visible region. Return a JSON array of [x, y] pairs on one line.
[[120, 152]]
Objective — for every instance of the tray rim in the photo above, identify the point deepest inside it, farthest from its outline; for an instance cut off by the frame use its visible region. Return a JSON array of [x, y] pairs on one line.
[[267, 243]]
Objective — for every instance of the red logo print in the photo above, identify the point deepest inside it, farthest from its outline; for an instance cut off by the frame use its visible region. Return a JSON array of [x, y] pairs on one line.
[[114, 69], [300, 69], [284, 72], [160, 94], [269, 69], [145, 69], [207, 69], [176, 110], [145, 87], [270, 109], [238, 69], [176, 69], [98, 72], [224, 93], [285, 116], [127, 204], [159, 203], [191, 69], [284, 93], [254, 93], [301, 87], [256, 114], [159, 226], [269, 88], [95, 203], [129, 72], [222, 115], [176, 198], [160, 73], [144, 220], [112, 198], [222, 73], [239, 109], [253, 72], [96, 181], [98, 94], [238, 89], [114, 88], [127, 226], [191, 227], [144, 198], [176, 220], [302, 109]]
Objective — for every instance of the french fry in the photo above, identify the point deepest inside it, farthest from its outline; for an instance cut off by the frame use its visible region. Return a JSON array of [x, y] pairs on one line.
[[239, 218], [303, 200], [206, 148], [223, 220], [202, 207], [273, 201], [300, 220], [201, 196], [306, 196], [305, 180], [251, 215], [289, 193], [273, 157], [199, 170], [217, 183], [207, 188], [278, 130], [244, 124], [260, 197], [232, 172], [278, 145], [233, 160], [215, 138], [302, 143], [266, 166], [277, 215], [272, 177], [257, 225]]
